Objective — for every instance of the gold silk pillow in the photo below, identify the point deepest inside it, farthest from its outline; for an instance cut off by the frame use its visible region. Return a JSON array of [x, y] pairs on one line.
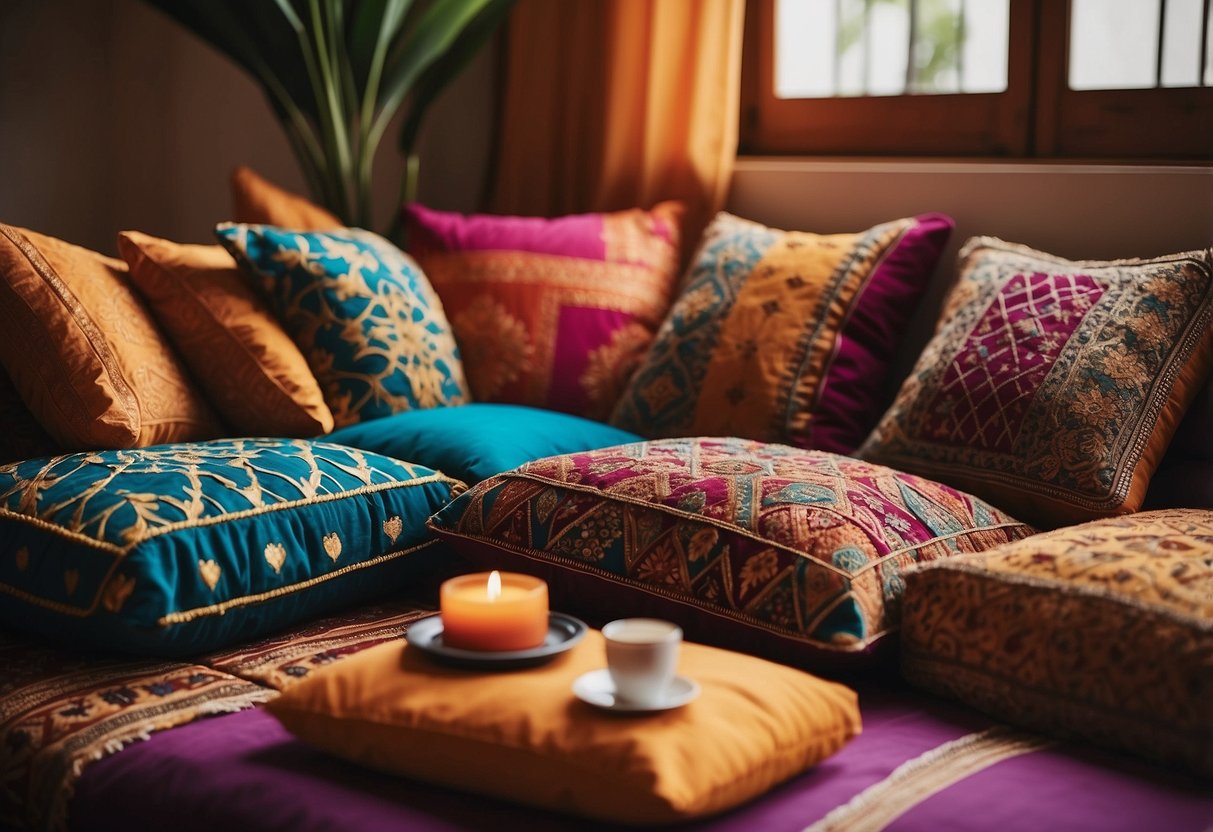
[[1051, 387], [84, 353], [1102, 631], [259, 201], [251, 369], [524, 737]]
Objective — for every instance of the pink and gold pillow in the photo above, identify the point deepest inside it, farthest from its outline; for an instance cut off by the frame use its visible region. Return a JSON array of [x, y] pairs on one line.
[[783, 336], [1052, 388], [550, 313]]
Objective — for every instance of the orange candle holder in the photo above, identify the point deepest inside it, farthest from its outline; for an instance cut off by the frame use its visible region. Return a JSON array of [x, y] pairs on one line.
[[494, 611]]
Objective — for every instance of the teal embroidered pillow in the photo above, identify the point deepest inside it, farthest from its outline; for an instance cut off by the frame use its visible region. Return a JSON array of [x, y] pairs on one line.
[[177, 549], [363, 313]]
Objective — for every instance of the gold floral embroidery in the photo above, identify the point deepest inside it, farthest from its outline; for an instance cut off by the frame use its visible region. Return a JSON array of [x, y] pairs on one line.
[[495, 345], [71, 578], [210, 572], [610, 366], [332, 546], [392, 527], [116, 591], [275, 556]]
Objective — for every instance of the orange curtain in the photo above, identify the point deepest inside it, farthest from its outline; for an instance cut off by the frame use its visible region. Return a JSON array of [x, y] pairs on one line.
[[613, 104]]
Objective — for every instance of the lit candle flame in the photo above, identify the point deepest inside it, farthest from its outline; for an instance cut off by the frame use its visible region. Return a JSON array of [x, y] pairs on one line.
[[494, 585]]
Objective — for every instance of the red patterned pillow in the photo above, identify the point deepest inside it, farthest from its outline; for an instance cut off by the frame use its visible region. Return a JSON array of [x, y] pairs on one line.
[[792, 554], [551, 313]]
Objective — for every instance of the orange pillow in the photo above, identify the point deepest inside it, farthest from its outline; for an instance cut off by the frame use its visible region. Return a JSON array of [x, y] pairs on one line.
[[258, 201], [85, 354], [251, 369], [523, 736]]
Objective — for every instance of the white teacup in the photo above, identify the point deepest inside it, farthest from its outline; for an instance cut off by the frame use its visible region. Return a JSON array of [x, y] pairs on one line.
[[642, 656]]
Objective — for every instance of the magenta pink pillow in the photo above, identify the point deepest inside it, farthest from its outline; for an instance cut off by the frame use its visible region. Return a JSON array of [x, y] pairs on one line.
[[551, 313]]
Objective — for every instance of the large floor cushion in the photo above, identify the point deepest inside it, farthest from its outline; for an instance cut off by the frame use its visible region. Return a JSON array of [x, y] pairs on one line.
[[176, 549], [770, 549], [1102, 631]]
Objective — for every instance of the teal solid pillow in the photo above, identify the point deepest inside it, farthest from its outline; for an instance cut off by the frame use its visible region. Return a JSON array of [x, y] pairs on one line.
[[179, 549], [476, 441]]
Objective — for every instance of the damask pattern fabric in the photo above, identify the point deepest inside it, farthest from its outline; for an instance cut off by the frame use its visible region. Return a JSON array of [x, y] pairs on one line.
[[84, 352], [181, 548], [551, 313], [767, 548], [1051, 387], [253, 373], [362, 312], [1102, 631], [784, 336]]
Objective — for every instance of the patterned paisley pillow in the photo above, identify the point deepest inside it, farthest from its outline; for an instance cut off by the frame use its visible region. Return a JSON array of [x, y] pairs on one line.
[[792, 554], [1102, 631], [178, 549], [551, 313], [1051, 388], [784, 336], [362, 312]]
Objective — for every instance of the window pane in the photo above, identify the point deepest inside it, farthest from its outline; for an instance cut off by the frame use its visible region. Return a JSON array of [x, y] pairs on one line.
[[828, 48], [1113, 44], [1181, 38]]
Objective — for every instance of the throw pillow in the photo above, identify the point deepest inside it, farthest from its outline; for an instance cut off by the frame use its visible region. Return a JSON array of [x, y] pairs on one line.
[[85, 354], [784, 336], [522, 737], [1102, 631], [179, 549], [253, 373], [769, 549], [258, 201], [363, 313], [475, 441], [551, 313], [1051, 388]]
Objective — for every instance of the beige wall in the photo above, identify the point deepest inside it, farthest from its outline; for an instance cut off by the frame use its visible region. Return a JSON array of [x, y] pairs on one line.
[[112, 117]]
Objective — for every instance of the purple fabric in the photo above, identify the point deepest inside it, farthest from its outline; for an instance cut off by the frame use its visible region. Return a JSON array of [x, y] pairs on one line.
[[243, 771], [851, 396], [577, 235]]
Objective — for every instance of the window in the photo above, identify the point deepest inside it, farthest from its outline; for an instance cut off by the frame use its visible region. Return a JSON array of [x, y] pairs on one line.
[[1046, 78]]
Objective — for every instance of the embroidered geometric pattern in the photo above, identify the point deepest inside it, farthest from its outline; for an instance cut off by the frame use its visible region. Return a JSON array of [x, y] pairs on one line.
[[1051, 388], [782, 336], [179, 548], [362, 312], [803, 544], [1102, 631]]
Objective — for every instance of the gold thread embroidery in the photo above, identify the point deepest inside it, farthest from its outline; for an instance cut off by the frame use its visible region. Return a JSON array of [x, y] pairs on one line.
[[332, 546], [393, 527], [210, 572], [275, 556], [71, 579], [186, 616], [22, 558], [117, 590]]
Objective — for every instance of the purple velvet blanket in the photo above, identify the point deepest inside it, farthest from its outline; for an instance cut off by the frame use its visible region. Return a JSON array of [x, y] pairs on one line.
[[919, 765]]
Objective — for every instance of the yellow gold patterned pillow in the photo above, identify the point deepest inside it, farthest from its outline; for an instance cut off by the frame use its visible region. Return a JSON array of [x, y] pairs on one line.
[[1102, 631]]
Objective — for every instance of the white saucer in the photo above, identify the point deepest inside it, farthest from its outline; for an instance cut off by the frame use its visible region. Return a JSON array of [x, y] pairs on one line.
[[596, 688]]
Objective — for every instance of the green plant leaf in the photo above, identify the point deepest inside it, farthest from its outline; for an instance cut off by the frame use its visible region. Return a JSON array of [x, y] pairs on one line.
[[373, 26]]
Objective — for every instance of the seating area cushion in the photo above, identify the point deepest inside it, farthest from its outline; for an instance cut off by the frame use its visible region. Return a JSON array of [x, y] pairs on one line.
[[769, 549], [178, 549], [551, 313], [522, 736], [784, 336], [1052, 387], [1102, 631], [362, 312], [257, 200], [473, 442]]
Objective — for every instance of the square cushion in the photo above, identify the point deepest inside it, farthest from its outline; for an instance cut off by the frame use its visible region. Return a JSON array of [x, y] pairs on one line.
[[178, 549], [1102, 631], [522, 736], [251, 370], [85, 354], [784, 336], [1051, 388], [475, 441], [258, 201], [364, 314], [771, 549], [551, 313]]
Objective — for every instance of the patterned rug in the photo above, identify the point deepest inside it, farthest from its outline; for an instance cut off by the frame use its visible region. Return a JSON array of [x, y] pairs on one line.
[[60, 711]]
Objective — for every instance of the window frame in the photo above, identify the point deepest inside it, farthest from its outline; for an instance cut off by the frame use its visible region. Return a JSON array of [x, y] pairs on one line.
[[1037, 116]]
